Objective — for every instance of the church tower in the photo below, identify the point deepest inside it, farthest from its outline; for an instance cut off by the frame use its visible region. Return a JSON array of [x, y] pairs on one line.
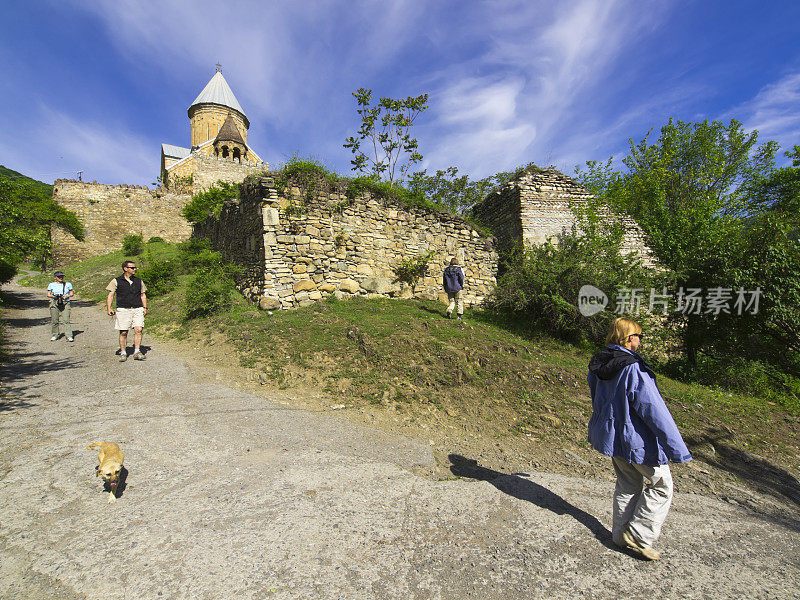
[[218, 135], [212, 107]]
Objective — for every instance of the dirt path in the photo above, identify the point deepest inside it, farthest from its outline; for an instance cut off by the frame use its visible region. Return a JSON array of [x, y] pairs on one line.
[[231, 495]]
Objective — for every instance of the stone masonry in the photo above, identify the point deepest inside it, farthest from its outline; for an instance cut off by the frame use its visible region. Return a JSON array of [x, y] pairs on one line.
[[538, 205], [110, 212], [301, 246], [205, 171]]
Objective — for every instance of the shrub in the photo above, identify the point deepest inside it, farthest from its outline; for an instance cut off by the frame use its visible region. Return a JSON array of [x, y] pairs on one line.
[[133, 245], [412, 269], [161, 277], [209, 203], [196, 253], [541, 284], [155, 239], [209, 292]]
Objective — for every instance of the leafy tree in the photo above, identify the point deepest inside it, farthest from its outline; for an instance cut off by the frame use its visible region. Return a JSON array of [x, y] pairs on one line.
[[27, 214], [385, 127], [209, 203], [719, 215], [687, 189]]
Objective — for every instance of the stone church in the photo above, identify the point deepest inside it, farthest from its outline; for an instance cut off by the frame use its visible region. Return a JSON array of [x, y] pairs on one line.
[[218, 130]]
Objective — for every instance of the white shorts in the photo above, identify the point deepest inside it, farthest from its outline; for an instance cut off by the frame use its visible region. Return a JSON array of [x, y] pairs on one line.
[[129, 317]]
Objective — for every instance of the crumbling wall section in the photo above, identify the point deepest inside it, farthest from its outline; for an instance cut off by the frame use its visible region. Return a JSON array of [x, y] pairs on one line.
[[199, 172], [315, 244], [538, 205]]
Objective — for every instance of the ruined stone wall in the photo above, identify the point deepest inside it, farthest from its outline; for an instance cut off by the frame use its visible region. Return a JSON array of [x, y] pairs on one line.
[[110, 212], [539, 205], [317, 244]]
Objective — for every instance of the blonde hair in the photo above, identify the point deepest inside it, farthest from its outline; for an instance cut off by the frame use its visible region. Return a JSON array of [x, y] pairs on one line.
[[620, 329]]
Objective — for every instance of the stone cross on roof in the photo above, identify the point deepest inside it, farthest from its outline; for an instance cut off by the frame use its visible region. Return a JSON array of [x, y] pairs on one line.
[[219, 68]]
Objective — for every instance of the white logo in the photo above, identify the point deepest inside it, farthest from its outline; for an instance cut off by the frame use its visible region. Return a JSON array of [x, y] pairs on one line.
[[591, 300]]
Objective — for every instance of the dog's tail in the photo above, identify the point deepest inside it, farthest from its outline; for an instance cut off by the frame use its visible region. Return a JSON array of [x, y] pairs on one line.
[[93, 445]]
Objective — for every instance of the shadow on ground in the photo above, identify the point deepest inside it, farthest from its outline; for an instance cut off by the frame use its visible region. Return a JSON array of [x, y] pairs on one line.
[[525, 489], [33, 364], [762, 474]]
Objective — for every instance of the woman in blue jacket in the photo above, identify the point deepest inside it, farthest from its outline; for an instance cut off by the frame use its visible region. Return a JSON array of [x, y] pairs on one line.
[[631, 423]]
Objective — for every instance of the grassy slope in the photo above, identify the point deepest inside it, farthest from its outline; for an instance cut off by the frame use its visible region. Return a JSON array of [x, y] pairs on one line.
[[483, 378], [14, 175]]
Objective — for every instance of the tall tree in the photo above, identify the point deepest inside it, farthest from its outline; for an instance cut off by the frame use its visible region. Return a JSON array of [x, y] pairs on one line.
[[385, 130], [687, 189]]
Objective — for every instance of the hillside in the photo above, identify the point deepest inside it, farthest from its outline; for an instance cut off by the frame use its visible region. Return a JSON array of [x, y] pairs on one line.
[[16, 176], [482, 388]]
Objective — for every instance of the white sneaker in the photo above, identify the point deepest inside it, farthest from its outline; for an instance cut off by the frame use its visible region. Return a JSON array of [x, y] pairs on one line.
[[70, 340], [54, 338]]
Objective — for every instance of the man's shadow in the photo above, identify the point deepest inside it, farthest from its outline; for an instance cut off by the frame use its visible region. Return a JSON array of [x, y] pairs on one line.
[[525, 489]]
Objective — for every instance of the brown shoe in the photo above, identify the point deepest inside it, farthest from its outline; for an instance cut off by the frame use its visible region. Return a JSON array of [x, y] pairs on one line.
[[123, 357], [646, 552], [138, 356]]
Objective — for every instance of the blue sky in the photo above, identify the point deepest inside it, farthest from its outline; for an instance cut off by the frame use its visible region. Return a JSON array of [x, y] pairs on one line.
[[98, 86]]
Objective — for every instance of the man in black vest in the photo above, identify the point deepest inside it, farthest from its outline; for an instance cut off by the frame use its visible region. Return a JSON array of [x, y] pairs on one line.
[[131, 309]]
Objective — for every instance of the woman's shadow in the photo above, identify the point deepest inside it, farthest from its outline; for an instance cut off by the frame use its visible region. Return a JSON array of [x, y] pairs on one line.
[[525, 489]]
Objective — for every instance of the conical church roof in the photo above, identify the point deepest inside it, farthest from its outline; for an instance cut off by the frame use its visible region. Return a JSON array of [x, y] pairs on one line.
[[217, 91], [229, 132]]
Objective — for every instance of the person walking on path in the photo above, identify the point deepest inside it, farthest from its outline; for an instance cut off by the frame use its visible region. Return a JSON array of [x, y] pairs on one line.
[[131, 309], [631, 423], [60, 293], [453, 282]]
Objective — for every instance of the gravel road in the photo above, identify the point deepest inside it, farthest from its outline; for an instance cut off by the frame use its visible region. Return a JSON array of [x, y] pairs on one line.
[[233, 495]]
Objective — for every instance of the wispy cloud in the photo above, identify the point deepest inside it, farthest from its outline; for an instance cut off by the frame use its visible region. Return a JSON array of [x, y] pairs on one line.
[[63, 146], [548, 66], [774, 111]]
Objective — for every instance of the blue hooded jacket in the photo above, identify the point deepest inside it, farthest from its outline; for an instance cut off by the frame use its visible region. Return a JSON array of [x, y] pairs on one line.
[[453, 279], [629, 417]]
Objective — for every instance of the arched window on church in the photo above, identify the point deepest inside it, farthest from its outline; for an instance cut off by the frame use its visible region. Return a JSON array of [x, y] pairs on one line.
[[224, 152], [237, 155]]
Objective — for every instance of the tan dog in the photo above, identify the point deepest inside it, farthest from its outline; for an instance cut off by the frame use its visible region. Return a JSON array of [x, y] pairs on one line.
[[110, 467]]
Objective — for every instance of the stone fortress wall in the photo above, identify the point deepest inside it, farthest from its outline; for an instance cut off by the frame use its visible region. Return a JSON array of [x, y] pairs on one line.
[[301, 246], [538, 204], [110, 212]]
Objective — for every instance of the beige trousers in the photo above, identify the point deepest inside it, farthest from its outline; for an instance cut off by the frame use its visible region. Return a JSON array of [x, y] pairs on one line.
[[642, 498], [455, 297]]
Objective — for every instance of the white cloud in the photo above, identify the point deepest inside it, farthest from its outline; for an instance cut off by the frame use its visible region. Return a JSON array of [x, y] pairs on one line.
[[775, 112], [63, 146], [548, 65]]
